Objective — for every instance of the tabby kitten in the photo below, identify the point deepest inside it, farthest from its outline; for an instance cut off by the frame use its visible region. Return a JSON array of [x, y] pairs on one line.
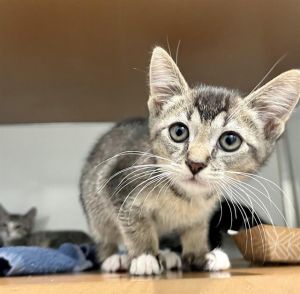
[[149, 177]]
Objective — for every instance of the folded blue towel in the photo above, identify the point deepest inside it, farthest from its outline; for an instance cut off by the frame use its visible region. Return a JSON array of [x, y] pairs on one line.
[[21, 260]]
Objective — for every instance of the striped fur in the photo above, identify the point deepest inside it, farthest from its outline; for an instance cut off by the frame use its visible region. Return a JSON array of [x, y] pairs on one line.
[[164, 196]]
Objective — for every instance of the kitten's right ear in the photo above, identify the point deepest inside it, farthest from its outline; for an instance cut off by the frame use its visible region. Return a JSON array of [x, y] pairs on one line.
[[31, 214], [165, 80]]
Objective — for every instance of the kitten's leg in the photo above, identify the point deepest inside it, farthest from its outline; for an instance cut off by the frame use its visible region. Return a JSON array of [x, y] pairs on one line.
[[111, 260], [194, 247], [115, 263], [107, 236], [141, 241], [195, 252], [217, 260], [170, 259]]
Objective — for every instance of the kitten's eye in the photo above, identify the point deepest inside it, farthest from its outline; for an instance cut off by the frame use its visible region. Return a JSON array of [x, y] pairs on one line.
[[230, 141], [179, 132], [18, 227]]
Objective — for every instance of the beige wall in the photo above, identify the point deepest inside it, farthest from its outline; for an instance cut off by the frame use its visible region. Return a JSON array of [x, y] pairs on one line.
[[85, 60]]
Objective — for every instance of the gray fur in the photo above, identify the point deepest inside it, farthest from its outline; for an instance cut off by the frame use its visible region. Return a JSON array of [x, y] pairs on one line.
[[139, 213], [51, 239], [15, 226], [16, 230]]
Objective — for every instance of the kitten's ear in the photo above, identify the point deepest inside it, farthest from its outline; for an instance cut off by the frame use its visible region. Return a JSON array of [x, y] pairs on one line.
[[3, 212], [165, 79], [31, 214], [275, 101]]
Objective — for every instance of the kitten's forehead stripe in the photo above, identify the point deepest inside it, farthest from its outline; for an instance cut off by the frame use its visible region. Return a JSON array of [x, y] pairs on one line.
[[210, 101], [189, 113]]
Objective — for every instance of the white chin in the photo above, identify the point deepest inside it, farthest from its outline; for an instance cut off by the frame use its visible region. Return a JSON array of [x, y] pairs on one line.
[[193, 186]]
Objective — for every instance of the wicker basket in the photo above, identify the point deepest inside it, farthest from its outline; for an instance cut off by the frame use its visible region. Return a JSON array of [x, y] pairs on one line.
[[269, 244]]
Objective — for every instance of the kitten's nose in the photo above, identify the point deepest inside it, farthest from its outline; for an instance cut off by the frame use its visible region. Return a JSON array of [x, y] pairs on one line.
[[194, 166]]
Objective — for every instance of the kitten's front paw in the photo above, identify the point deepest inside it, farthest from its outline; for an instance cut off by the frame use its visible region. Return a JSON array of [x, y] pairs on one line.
[[145, 265], [193, 262], [115, 263], [170, 259], [216, 260]]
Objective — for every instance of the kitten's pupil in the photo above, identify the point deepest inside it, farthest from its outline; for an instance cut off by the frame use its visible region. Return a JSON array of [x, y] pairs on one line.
[[230, 139], [179, 132]]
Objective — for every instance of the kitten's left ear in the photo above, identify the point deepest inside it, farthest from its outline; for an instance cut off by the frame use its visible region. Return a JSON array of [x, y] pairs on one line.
[[3, 211], [165, 79], [275, 101]]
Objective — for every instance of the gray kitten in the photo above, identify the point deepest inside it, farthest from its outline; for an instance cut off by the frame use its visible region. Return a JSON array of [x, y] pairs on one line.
[[16, 230], [149, 177], [15, 226]]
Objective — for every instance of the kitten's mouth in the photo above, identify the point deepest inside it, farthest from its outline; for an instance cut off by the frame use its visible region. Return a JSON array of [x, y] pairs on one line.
[[195, 181]]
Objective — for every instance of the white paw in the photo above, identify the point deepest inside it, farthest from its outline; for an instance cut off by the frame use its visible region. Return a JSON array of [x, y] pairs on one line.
[[115, 263], [171, 259], [145, 264], [217, 260]]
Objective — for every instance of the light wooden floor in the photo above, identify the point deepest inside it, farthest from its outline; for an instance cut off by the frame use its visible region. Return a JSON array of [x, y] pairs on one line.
[[241, 279]]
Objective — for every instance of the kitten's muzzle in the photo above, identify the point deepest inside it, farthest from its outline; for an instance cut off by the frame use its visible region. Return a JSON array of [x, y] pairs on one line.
[[195, 167]]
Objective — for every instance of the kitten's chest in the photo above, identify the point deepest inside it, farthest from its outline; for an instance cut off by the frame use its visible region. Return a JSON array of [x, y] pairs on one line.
[[176, 214]]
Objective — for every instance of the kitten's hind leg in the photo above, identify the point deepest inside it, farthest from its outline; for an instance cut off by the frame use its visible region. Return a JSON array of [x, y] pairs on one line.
[[170, 259]]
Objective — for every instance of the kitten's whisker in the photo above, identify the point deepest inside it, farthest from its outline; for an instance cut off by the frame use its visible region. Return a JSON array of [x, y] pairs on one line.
[[162, 178], [223, 186], [224, 196], [160, 181], [134, 177], [133, 152], [143, 183], [263, 207], [253, 178], [242, 210], [130, 168], [256, 87], [269, 71], [267, 196], [244, 215], [166, 186], [122, 171], [254, 217], [243, 189], [177, 51], [219, 195]]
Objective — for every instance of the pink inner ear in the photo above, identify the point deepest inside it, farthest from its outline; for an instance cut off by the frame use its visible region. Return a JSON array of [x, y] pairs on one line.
[[273, 129]]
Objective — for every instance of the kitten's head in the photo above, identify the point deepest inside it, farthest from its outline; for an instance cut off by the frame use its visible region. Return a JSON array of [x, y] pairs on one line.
[[15, 226], [211, 134]]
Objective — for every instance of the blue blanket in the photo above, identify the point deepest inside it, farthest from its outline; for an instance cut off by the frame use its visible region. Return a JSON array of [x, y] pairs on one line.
[[21, 260]]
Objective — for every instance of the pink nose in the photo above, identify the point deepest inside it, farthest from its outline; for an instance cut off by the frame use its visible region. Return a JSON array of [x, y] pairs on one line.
[[195, 167]]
